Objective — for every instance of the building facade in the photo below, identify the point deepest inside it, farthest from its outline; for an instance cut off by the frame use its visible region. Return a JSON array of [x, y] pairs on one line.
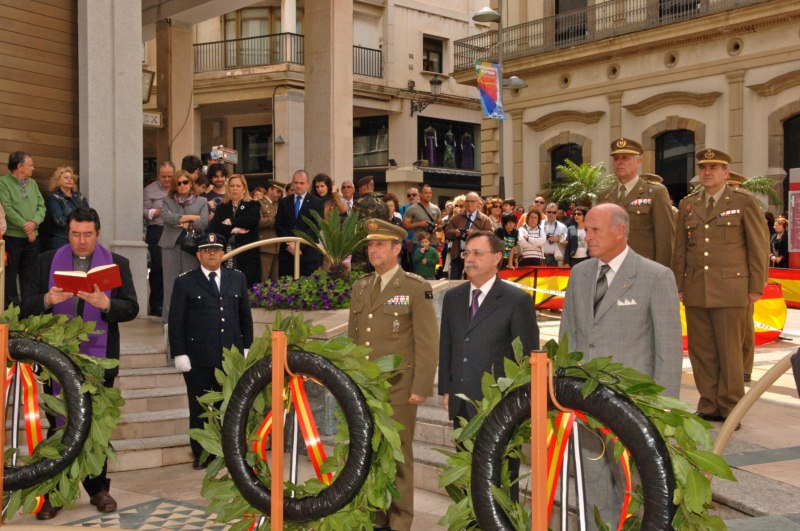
[[675, 75]]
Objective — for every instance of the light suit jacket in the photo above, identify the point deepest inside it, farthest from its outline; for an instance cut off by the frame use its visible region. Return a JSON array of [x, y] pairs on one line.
[[637, 323]]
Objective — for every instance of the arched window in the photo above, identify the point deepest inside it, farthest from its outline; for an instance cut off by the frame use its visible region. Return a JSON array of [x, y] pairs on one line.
[[791, 149], [675, 161], [559, 154]]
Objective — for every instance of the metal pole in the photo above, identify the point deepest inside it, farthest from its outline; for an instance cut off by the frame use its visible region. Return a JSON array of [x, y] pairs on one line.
[[580, 486], [293, 462], [15, 412], [564, 486], [500, 166]]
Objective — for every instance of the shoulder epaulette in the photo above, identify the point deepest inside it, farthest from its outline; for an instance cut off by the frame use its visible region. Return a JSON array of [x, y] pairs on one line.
[[414, 276], [743, 191]]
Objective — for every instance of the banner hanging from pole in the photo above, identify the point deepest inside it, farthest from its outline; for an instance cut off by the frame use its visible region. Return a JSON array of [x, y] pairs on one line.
[[489, 86]]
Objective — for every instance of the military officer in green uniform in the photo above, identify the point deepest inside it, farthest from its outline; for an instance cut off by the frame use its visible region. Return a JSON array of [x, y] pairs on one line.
[[392, 312], [652, 228], [720, 266]]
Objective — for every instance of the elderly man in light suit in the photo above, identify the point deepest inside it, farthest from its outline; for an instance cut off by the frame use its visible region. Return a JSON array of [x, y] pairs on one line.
[[622, 305]]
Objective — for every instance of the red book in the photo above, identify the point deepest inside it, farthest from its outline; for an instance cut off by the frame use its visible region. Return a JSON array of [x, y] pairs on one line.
[[107, 277]]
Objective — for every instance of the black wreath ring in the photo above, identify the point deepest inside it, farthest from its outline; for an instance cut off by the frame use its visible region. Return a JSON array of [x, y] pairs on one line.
[[79, 413], [347, 483], [615, 411]]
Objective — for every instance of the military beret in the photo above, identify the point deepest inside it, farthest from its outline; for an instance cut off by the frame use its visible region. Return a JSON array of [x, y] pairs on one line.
[[211, 240], [736, 178], [365, 180], [652, 178], [626, 146], [712, 156], [377, 229]]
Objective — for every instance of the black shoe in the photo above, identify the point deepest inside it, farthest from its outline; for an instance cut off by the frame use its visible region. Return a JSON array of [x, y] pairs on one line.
[[710, 418], [747, 377], [197, 465], [47, 512], [103, 501]]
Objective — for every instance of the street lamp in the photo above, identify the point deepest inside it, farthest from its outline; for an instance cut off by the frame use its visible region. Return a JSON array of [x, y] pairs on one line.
[[436, 91], [487, 14]]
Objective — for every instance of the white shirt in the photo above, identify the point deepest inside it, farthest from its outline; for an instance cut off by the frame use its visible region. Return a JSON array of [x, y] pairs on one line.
[[614, 264], [487, 286]]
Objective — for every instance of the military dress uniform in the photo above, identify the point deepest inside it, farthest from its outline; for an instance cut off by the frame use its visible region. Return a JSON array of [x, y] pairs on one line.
[[400, 320], [652, 225], [720, 257]]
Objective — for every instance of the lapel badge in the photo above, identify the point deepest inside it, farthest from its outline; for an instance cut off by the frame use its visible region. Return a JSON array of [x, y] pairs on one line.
[[395, 326]]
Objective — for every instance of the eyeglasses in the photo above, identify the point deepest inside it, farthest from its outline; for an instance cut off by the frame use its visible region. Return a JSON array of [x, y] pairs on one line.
[[552, 211], [472, 200], [495, 206], [538, 201], [411, 195], [183, 183], [478, 254], [577, 214], [348, 186]]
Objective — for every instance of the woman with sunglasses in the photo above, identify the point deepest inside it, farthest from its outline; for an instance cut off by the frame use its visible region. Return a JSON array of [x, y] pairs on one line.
[[494, 209], [577, 251], [182, 211]]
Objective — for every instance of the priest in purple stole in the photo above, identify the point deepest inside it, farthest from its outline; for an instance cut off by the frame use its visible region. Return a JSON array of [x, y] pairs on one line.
[[106, 309]]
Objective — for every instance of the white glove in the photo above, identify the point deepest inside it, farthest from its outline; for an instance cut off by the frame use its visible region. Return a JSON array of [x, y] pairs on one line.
[[182, 363], [246, 352]]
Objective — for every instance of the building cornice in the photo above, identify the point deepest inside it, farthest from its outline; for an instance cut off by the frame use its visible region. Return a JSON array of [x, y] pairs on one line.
[[777, 84], [554, 118], [648, 105]]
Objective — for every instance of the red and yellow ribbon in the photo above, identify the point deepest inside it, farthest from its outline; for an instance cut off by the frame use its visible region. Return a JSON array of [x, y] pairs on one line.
[[556, 444], [308, 428], [30, 407]]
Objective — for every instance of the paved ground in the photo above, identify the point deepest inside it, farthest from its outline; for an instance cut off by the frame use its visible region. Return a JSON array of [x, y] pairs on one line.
[[765, 455]]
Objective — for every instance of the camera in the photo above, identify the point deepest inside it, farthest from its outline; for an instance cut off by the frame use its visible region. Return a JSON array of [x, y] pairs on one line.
[[430, 227], [462, 233]]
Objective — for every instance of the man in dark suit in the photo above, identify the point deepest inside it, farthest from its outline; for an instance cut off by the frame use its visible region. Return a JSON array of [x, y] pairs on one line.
[[480, 319], [209, 311], [105, 308], [291, 210]]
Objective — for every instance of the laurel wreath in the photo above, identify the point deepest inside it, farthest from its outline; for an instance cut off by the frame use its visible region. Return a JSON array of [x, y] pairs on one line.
[[66, 335], [371, 377], [687, 438]]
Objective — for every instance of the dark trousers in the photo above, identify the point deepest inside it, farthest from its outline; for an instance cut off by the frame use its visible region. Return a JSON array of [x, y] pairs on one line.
[[156, 279], [199, 381], [100, 482], [22, 256], [310, 261], [456, 268]]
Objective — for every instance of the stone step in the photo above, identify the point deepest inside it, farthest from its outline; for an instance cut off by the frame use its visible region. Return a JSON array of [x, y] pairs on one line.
[[154, 399], [142, 360], [152, 377], [152, 424], [150, 452], [433, 426]]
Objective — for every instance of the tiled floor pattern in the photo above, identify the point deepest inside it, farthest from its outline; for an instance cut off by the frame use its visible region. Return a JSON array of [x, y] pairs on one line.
[[154, 515]]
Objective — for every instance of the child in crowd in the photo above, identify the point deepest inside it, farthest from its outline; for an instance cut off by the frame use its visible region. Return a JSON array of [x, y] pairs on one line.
[[426, 258], [509, 234]]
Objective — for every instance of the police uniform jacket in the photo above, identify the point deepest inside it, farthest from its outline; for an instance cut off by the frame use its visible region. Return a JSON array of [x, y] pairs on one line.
[[721, 254], [201, 323], [652, 227], [401, 321]]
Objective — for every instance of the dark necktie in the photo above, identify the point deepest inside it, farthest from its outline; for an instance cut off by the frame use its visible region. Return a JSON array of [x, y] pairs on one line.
[[376, 289], [212, 278], [298, 201], [473, 307], [602, 286]]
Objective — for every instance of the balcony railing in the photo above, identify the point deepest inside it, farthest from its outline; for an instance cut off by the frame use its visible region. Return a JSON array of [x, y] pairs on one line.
[[272, 50], [367, 62], [596, 22]]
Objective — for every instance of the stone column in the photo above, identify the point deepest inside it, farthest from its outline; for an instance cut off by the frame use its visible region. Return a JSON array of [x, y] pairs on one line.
[[614, 115], [329, 88], [289, 120], [110, 106], [514, 178], [735, 118], [175, 65]]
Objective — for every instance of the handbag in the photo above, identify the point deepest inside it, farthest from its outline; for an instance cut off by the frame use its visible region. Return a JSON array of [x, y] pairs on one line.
[[188, 240]]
